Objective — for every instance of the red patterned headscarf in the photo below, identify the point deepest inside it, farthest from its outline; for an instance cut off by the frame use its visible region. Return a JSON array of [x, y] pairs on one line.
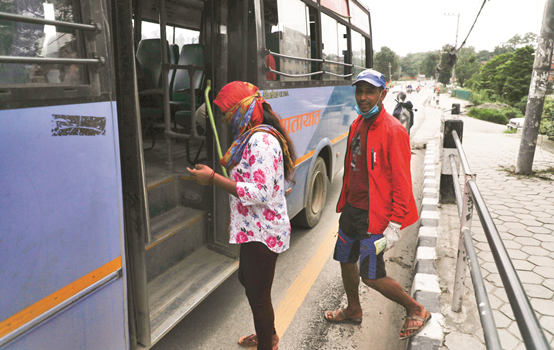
[[241, 104], [243, 111]]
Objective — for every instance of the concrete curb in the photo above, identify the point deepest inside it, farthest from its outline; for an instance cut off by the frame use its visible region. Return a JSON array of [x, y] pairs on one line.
[[425, 286]]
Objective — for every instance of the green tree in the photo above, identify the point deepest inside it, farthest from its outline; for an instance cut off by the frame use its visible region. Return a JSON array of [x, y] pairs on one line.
[[483, 55], [506, 77], [412, 64], [517, 72], [490, 80], [467, 65], [448, 58], [429, 64], [382, 60]]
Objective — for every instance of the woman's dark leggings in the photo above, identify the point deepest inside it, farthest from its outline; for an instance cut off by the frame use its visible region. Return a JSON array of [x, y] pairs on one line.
[[256, 271]]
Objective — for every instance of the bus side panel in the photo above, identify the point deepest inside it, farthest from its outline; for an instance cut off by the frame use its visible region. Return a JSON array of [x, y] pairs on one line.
[[94, 323], [295, 199], [334, 111], [60, 210]]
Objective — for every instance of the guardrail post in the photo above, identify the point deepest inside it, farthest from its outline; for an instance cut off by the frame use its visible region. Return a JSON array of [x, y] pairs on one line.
[[446, 189], [455, 108], [461, 262]]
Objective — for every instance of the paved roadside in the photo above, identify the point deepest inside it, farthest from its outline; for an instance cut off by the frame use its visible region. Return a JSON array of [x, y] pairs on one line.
[[523, 211]]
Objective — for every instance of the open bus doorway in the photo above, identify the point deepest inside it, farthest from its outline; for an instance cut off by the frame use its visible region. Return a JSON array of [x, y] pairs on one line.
[[186, 254]]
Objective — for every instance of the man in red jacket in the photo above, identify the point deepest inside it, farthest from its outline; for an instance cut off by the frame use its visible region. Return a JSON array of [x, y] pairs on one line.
[[376, 202]]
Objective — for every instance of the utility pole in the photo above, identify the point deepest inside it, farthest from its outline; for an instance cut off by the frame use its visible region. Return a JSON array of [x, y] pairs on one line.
[[455, 52], [537, 91], [390, 74]]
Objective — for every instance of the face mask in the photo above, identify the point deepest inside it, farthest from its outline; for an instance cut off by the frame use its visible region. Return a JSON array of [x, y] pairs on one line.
[[373, 111]]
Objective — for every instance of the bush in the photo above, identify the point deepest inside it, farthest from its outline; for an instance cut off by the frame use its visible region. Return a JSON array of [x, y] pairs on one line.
[[479, 97], [497, 116], [512, 112], [522, 104], [547, 128], [547, 119]]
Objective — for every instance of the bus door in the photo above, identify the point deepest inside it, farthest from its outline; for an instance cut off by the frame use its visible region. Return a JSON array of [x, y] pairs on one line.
[[184, 254], [61, 258]]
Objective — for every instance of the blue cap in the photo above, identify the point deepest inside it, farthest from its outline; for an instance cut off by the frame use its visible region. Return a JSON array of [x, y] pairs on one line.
[[373, 77]]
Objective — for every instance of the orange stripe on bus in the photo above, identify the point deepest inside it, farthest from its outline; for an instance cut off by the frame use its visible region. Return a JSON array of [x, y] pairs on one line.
[[337, 139], [303, 158], [310, 154], [22, 317]]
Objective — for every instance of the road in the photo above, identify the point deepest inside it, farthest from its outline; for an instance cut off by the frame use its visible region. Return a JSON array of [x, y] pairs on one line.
[[308, 281]]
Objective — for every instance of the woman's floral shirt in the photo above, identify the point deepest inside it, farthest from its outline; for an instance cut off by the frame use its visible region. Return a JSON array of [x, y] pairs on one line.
[[260, 212]]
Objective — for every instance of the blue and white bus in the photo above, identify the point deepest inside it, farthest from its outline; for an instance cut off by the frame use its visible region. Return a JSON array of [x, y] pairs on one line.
[[105, 242]]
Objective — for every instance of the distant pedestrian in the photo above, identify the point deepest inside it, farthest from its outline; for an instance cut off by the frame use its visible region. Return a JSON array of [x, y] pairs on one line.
[[376, 202], [259, 160], [404, 111]]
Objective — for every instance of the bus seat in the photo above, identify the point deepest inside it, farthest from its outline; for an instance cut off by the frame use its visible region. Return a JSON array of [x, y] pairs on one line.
[[173, 59], [149, 56], [149, 79], [174, 53], [192, 54]]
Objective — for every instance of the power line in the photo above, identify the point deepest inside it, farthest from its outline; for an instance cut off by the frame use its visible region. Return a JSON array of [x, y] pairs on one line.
[[483, 5]]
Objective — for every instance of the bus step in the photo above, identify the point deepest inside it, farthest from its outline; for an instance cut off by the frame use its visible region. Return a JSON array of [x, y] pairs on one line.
[[172, 191], [175, 235], [162, 196], [176, 292]]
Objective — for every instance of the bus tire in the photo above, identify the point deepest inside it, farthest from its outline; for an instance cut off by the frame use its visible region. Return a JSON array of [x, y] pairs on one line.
[[317, 194]]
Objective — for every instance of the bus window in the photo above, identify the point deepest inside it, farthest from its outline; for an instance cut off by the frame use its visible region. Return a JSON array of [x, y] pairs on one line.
[[186, 36], [37, 40], [287, 32], [358, 53], [335, 46], [174, 35]]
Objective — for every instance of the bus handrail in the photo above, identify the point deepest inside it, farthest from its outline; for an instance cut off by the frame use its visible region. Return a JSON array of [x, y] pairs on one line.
[[307, 74], [267, 51], [321, 60], [338, 63], [339, 75], [212, 122], [95, 27], [528, 324], [295, 75], [99, 61]]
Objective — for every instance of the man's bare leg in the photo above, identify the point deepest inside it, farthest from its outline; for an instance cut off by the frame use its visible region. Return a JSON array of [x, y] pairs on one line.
[[392, 290], [351, 282]]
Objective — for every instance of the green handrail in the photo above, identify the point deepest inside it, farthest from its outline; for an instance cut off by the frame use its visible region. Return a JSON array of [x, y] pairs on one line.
[[211, 116]]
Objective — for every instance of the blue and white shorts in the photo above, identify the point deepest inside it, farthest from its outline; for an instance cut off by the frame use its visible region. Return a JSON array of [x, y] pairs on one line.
[[354, 243]]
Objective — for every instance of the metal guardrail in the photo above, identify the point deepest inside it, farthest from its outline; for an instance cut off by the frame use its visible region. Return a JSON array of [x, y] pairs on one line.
[[531, 331]]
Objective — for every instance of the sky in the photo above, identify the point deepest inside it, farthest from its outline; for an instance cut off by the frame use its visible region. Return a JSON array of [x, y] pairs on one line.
[[410, 26]]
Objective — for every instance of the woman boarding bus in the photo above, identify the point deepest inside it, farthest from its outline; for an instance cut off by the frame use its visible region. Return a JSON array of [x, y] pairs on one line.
[[107, 242]]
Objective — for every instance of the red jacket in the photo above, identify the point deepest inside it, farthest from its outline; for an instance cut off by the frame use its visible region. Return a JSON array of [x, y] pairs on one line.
[[390, 181]]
